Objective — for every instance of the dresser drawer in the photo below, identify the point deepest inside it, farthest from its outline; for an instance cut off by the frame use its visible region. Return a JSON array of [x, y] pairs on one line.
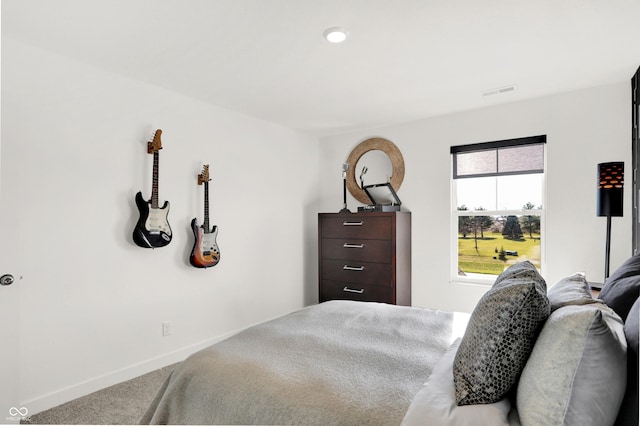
[[334, 290], [357, 249], [360, 226], [357, 272]]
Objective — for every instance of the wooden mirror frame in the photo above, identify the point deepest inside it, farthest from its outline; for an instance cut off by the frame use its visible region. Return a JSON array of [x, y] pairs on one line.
[[381, 144]]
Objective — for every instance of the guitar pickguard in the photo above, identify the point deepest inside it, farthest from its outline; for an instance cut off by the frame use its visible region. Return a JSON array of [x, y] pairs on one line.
[[157, 221], [208, 244]]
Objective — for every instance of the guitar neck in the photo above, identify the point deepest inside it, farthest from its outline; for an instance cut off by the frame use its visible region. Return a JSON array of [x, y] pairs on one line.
[[154, 190], [206, 208]]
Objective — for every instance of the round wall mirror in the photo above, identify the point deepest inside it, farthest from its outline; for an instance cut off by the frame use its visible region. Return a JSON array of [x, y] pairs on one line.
[[374, 167], [379, 168]]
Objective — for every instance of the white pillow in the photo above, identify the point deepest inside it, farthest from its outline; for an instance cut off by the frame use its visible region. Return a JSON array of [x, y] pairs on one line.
[[435, 404], [577, 371]]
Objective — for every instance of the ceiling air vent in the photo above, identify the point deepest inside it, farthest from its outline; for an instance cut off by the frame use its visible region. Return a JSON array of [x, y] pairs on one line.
[[498, 91]]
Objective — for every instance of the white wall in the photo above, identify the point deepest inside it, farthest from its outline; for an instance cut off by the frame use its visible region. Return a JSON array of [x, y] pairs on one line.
[[92, 302], [583, 128]]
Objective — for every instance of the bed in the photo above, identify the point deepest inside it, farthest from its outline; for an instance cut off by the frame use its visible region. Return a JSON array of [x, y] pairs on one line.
[[525, 355]]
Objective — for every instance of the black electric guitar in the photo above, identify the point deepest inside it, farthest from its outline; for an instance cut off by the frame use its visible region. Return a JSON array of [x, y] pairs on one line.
[[205, 251], [152, 229]]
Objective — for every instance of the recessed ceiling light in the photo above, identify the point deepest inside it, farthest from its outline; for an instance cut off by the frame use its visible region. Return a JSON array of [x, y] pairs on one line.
[[336, 34]]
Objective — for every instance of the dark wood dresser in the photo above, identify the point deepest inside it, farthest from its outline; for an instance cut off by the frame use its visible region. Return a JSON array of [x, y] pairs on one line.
[[365, 256]]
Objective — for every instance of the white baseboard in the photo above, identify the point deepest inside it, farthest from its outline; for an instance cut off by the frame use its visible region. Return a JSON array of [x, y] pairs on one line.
[[53, 399]]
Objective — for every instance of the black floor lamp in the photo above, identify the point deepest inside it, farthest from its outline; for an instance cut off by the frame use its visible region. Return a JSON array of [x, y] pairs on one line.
[[610, 197]]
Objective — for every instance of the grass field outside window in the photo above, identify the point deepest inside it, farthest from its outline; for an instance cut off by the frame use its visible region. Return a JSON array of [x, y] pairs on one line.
[[486, 259]]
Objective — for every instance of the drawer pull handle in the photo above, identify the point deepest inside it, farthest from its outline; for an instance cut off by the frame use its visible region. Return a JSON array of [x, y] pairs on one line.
[[350, 290], [353, 268], [353, 223], [347, 245]]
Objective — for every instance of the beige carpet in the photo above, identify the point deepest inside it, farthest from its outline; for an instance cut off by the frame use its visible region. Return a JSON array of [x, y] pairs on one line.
[[121, 404]]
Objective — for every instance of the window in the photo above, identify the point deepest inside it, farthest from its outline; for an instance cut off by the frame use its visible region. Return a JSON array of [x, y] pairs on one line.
[[497, 206]]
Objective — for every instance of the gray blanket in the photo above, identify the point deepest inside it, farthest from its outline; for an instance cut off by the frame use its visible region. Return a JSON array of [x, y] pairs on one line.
[[339, 362]]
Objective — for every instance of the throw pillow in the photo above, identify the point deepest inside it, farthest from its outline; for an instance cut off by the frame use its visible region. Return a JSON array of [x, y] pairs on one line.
[[576, 374], [632, 327], [571, 290], [622, 288], [501, 333], [628, 414], [435, 403]]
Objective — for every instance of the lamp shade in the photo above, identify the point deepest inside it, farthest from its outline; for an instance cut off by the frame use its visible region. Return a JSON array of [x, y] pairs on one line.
[[610, 188]]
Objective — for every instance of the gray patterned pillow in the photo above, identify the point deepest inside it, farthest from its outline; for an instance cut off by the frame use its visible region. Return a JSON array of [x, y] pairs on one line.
[[500, 336]]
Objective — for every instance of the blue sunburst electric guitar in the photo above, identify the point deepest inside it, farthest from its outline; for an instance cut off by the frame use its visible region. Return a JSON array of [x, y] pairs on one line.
[[205, 251], [153, 229]]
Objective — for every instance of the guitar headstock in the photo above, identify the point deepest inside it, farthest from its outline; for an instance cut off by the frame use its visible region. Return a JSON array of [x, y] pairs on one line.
[[156, 144], [204, 176]]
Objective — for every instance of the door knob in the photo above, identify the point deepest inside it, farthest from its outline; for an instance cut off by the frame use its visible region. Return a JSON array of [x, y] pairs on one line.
[[6, 279]]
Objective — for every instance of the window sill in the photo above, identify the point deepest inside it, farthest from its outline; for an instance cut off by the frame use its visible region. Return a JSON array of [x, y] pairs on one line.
[[475, 279]]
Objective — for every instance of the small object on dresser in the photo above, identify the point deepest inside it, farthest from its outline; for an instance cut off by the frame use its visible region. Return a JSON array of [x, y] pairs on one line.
[[379, 208], [345, 167], [383, 198]]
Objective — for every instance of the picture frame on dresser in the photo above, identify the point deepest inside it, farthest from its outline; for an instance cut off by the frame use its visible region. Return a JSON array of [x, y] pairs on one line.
[[365, 256]]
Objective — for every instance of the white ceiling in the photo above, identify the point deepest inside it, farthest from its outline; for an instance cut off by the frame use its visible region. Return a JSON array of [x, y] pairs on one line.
[[404, 59]]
